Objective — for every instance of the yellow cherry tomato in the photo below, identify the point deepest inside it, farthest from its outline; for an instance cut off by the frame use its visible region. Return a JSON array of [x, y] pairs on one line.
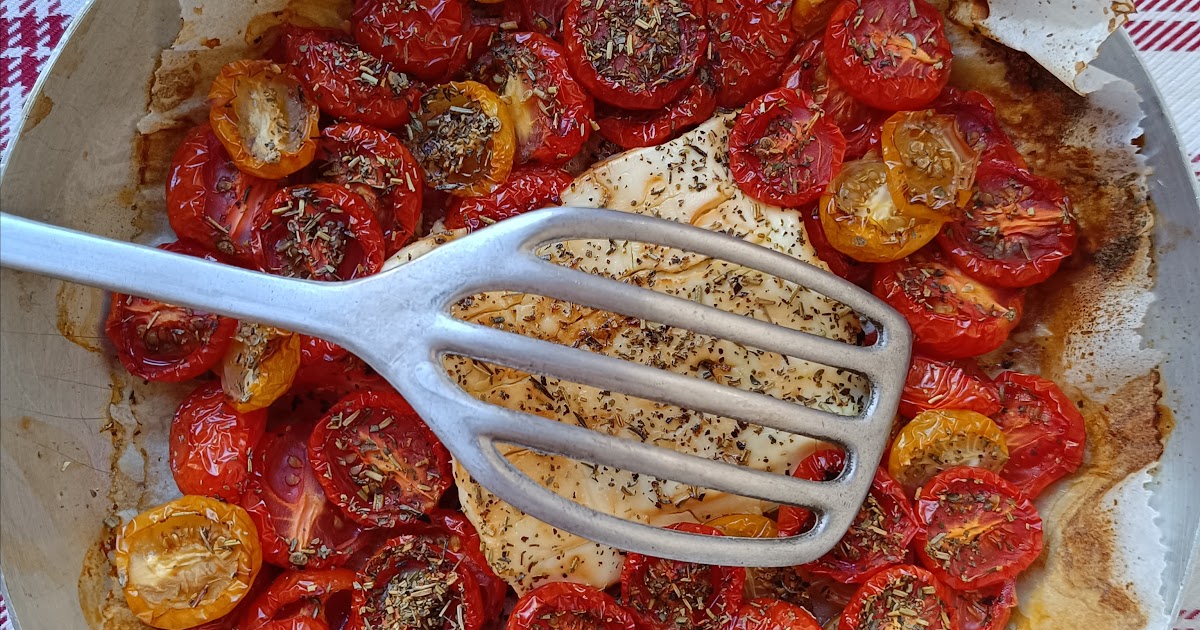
[[861, 220], [940, 439], [930, 165], [259, 366], [187, 562], [264, 118], [745, 525], [463, 137]]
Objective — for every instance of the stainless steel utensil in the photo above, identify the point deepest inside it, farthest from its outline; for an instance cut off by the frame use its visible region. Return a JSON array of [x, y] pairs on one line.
[[399, 322]]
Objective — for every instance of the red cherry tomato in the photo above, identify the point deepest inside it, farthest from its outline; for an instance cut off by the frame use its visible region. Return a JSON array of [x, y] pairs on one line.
[[314, 350], [951, 315], [703, 590], [822, 596], [429, 39], [165, 343], [297, 598], [210, 444], [1017, 230], [1044, 431], [407, 581], [858, 123], [634, 129], [750, 43], [349, 82], [635, 55], [540, 16], [560, 605], [377, 166], [318, 232], [209, 200], [552, 114], [889, 54], [784, 150], [987, 608], [878, 603], [976, 529], [840, 264], [935, 384], [452, 531], [863, 550], [527, 188], [977, 121], [772, 614]]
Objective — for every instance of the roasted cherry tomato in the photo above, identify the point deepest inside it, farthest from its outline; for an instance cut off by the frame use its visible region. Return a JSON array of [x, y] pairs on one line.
[[822, 596], [783, 150], [540, 16], [407, 583], [665, 594], [161, 342], [297, 597], [297, 525], [951, 315], [314, 350], [977, 121], [528, 188], [987, 608], [901, 592], [633, 129], [463, 138], [808, 71], [930, 166], [1044, 431], [186, 562], [429, 39], [809, 17], [976, 529], [934, 384], [318, 232], [551, 113], [349, 82], [773, 614], [940, 439], [259, 366], [377, 166], [745, 525], [209, 200], [264, 117], [840, 264], [751, 40], [632, 54], [861, 220], [889, 54], [452, 532], [880, 533], [210, 444], [233, 619], [562, 605], [1017, 229]]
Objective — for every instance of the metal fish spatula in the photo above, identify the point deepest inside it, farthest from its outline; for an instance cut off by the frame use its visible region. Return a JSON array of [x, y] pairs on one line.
[[399, 322]]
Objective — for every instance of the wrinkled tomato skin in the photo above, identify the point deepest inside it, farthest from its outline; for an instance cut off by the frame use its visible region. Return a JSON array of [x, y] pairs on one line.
[[286, 597], [1044, 430], [987, 608], [429, 39], [859, 124], [404, 555], [589, 607], [540, 16], [977, 120], [527, 189], [773, 614], [869, 608], [751, 40], [635, 129], [363, 252], [936, 384], [210, 444]]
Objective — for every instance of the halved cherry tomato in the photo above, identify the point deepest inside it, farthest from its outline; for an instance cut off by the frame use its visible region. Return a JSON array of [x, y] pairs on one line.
[[840, 264], [783, 149], [429, 39], [951, 315], [259, 366], [940, 439], [864, 549], [209, 200], [551, 113], [634, 129], [750, 43], [318, 232], [889, 54], [1044, 431], [901, 592], [377, 166], [349, 82], [297, 525], [210, 444], [987, 608], [314, 350], [186, 562], [934, 384], [161, 342], [773, 614], [861, 220], [264, 117], [452, 532], [1017, 229], [528, 188], [632, 54], [666, 594], [463, 138], [745, 525], [930, 166], [976, 529], [322, 596], [976, 118], [563, 605], [809, 71], [408, 583], [820, 595]]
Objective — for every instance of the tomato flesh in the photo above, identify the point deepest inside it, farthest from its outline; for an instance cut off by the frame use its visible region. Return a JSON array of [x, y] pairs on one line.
[[410, 583], [1044, 431], [211, 442], [941, 439], [464, 139], [528, 188], [569, 606], [318, 232], [259, 366], [809, 71], [930, 166], [903, 591], [861, 220]]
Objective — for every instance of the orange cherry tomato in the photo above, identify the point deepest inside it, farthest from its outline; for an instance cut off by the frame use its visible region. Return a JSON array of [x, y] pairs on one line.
[[464, 139], [187, 562], [259, 366], [862, 221], [930, 166], [745, 525], [940, 439], [264, 118]]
